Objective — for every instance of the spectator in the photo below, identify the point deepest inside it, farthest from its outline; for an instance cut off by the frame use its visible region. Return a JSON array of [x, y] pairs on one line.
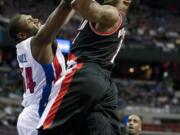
[[134, 125]]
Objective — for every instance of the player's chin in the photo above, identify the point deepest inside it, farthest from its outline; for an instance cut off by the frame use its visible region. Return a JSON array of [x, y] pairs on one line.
[[130, 130]]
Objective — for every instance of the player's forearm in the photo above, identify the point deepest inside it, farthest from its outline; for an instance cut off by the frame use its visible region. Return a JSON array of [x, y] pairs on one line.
[[69, 16], [53, 23]]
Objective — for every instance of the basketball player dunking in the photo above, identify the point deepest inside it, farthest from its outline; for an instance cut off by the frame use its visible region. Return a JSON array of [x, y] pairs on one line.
[[40, 60], [87, 101]]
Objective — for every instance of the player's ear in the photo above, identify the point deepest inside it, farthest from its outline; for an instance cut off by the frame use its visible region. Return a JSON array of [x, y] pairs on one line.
[[22, 35]]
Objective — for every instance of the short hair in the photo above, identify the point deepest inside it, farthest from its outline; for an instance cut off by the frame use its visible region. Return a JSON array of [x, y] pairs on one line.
[[14, 27], [140, 118]]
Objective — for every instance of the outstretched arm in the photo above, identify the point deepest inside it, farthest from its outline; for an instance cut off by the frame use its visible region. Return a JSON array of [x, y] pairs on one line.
[[52, 25], [41, 42]]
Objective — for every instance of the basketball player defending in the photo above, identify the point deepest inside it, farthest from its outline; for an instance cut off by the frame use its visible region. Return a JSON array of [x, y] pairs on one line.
[[41, 62]]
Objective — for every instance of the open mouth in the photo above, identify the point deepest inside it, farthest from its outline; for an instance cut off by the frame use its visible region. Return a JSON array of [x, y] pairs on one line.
[[127, 2], [130, 129]]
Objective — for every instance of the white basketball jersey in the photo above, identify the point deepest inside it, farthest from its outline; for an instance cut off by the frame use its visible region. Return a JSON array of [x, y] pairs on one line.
[[38, 79]]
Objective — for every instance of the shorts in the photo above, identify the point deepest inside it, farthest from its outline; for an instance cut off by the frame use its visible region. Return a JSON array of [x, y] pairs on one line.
[[28, 120], [87, 97]]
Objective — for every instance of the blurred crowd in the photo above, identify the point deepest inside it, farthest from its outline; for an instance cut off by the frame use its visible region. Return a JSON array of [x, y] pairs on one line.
[[155, 28], [159, 94]]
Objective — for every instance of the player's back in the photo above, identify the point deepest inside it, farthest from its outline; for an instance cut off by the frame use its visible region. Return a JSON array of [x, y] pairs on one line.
[[38, 79]]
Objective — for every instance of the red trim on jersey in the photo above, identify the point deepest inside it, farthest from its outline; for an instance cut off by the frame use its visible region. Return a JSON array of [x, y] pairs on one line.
[[63, 90], [57, 67], [106, 33], [72, 57]]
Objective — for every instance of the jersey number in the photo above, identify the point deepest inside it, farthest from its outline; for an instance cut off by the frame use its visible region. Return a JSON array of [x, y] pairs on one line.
[[28, 80], [121, 36], [82, 26]]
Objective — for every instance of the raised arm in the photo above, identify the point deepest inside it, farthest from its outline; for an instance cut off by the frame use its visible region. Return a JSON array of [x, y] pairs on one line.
[[94, 12], [52, 25], [42, 41]]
